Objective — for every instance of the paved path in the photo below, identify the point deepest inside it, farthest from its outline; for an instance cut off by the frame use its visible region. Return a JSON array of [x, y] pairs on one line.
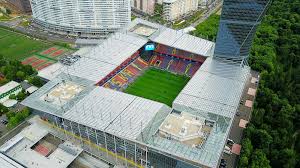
[[236, 132]]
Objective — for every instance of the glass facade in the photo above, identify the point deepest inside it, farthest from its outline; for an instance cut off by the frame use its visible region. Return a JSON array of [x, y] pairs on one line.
[[238, 24]]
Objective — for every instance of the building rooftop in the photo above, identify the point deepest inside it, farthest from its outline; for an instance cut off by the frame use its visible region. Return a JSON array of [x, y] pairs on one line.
[[30, 148], [8, 162], [206, 151], [143, 30], [62, 93], [57, 105], [8, 86], [186, 128]]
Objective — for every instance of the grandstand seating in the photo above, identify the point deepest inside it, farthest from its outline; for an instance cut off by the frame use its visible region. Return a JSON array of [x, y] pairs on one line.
[[127, 75], [166, 50], [175, 65]]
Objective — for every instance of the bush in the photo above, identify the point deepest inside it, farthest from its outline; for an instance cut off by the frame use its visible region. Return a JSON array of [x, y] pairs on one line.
[[3, 109], [15, 118], [13, 96]]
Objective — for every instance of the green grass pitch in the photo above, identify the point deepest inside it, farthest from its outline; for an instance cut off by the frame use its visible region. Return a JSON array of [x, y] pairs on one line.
[[18, 46], [158, 85]]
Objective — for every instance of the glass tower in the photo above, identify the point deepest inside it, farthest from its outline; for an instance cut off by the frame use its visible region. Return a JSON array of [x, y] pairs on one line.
[[238, 24]]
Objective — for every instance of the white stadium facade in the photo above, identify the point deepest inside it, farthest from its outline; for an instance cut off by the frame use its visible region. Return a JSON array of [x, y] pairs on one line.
[[84, 18]]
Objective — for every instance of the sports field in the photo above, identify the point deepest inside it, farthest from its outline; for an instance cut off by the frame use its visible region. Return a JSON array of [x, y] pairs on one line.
[[158, 85], [18, 46]]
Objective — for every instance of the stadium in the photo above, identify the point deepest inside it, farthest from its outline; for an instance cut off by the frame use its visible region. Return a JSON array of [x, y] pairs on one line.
[[147, 96]]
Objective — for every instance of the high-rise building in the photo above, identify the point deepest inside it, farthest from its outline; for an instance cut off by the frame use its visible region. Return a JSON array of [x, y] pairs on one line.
[[238, 24], [85, 18], [174, 9], [144, 6]]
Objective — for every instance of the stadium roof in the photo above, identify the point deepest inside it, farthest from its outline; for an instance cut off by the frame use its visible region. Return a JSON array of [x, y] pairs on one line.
[[89, 68], [118, 113], [177, 39], [215, 88], [117, 48], [99, 61], [183, 41]]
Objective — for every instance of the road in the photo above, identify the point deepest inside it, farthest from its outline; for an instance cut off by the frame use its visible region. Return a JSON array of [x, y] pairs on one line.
[[13, 132], [211, 11], [36, 32]]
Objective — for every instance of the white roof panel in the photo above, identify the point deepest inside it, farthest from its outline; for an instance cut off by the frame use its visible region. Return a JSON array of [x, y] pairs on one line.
[[213, 90], [7, 87], [183, 41], [100, 107], [91, 69], [191, 103], [50, 72], [117, 48], [194, 45], [115, 112], [134, 118]]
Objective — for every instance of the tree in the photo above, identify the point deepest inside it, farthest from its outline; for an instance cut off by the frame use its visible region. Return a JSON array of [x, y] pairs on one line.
[[259, 160], [21, 95], [261, 139], [3, 109], [247, 149], [10, 114], [36, 81], [288, 158], [20, 75]]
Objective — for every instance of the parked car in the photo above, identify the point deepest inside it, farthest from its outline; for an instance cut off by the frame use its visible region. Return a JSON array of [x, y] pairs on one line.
[[4, 121], [230, 142], [223, 163], [227, 150]]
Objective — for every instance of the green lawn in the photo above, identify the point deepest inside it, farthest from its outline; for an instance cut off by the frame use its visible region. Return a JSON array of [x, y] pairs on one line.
[[17, 46], [158, 85]]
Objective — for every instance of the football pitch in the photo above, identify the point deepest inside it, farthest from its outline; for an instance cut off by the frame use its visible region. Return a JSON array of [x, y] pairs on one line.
[[158, 85], [17, 46]]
